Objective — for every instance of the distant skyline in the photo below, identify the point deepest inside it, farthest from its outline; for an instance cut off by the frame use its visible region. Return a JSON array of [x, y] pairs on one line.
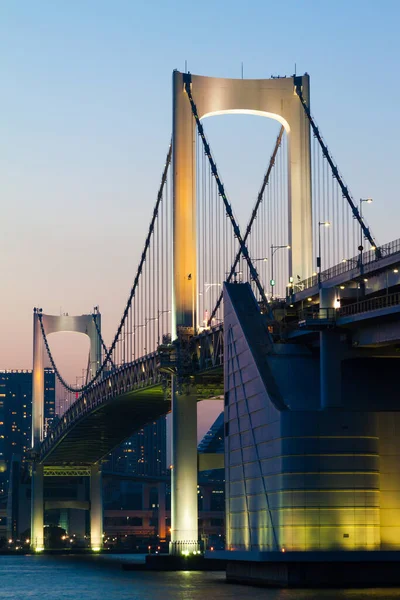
[[86, 122]]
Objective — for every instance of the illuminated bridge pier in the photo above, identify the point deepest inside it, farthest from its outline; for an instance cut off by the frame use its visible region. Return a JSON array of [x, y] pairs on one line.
[[94, 505], [312, 452], [89, 325]]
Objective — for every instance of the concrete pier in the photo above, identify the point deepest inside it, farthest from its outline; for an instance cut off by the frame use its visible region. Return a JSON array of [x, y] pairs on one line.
[[96, 508], [184, 511], [37, 508]]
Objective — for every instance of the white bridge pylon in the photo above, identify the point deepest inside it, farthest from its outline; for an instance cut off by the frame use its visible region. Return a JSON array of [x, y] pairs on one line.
[[86, 325], [54, 324], [272, 98]]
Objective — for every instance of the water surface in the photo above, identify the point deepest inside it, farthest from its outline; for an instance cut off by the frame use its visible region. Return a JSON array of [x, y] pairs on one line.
[[101, 578]]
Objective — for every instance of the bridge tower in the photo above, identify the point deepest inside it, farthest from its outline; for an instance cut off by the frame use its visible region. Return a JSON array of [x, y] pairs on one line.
[[88, 325], [273, 98]]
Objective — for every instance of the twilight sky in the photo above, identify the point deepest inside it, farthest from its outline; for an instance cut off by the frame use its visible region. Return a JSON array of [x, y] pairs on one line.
[[86, 119]]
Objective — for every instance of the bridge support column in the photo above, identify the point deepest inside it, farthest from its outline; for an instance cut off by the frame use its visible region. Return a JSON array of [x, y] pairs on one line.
[[330, 357], [96, 508], [37, 383], [37, 508], [161, 511], [184, 512]]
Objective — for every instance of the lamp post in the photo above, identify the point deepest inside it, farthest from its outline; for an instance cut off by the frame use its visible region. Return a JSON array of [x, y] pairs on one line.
[[210, 285], [133, 332], [207, 287], [159, 313], [325, 224], [273, 250], [368, 201], [146, 321]]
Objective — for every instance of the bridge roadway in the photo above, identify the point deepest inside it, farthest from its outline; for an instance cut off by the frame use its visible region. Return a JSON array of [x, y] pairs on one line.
[[372, 266], [139, 392], [126, 400]]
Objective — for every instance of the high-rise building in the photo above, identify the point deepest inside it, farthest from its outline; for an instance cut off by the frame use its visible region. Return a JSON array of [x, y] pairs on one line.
[[16, 415], [144, 453]]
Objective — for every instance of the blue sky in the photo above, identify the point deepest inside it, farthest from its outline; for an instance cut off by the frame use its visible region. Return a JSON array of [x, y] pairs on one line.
[[86, 120]]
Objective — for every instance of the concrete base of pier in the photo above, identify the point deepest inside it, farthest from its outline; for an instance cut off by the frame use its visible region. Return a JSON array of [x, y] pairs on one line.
[[313, 569], [170, 562]]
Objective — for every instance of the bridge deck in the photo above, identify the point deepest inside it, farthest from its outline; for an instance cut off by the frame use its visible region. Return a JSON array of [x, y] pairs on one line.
[[94, 435]]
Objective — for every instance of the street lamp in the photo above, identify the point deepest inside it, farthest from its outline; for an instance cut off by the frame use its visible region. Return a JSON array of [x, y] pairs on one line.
[[368, 201], [273, 250], [325, 224], [159, 313], [146, 321], [208, 286], [263, 259], [133, 333]]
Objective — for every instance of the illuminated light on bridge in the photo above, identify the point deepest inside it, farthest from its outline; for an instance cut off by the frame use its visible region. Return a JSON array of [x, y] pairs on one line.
[[261, 364]]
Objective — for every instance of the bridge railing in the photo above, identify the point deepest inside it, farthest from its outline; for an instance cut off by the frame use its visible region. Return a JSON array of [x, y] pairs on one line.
[[369, 305], [210, 347], [315, 317], [348, 264], [139, 374]]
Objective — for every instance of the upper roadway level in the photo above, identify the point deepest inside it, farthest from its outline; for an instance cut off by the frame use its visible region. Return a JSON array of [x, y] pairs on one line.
[[126, 399]]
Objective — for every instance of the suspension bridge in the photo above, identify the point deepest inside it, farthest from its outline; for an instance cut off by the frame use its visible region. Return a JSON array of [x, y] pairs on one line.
[[305, 274]]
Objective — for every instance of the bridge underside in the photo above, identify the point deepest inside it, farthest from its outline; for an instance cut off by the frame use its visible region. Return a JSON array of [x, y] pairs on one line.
[[102, 430], [209, 384], [95, 435]]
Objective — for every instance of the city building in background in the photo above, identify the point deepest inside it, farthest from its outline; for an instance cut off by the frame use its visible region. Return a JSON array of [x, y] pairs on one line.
[[145, 453], [16, 416]]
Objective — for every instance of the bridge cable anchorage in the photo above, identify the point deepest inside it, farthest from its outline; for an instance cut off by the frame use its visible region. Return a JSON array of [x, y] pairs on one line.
[[110, 351], [250, 224], [221, 190], [335, 171]]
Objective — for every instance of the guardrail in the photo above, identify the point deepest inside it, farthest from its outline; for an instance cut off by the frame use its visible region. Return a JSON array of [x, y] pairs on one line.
[[138, 374], [370, 304], [350, 264], [315, 317]]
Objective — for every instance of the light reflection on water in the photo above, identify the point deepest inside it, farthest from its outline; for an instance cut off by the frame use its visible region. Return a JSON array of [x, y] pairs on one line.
[[97, 578]]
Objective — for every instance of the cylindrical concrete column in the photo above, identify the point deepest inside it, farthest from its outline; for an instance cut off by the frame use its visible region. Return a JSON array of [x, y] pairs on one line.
[[37, 508], [161, 511], [37, 383], [184, 513], [96, 508]]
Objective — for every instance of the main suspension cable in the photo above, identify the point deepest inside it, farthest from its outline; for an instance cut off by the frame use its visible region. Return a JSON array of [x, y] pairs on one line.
[[110, 351], [335, 170]]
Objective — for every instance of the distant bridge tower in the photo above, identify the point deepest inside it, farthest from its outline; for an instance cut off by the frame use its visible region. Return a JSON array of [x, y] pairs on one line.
[[85, 324], [54, 324], [273, 98]]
